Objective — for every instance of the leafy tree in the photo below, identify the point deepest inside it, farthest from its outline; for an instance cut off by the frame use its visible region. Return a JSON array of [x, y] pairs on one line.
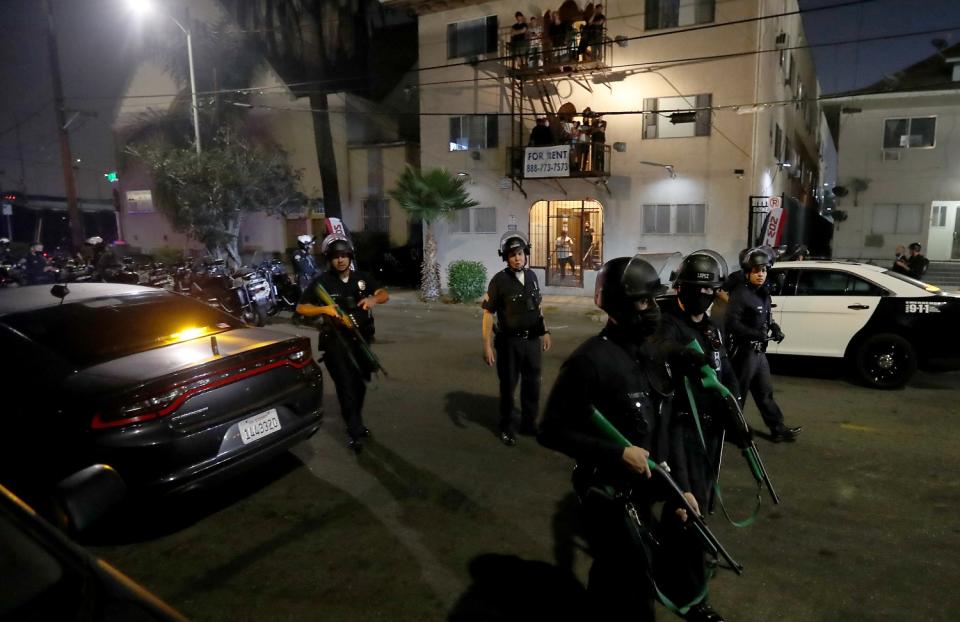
[[207, 197], [427, 196]]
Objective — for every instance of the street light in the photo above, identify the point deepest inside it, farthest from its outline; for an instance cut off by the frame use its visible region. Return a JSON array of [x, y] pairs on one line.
[[143, 8]]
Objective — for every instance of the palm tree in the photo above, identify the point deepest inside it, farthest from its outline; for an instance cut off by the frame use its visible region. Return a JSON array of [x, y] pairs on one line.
[[427, 196]]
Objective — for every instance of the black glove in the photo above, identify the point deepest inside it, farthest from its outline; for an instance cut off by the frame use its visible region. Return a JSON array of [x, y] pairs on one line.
[[687, 362], [775, 333]]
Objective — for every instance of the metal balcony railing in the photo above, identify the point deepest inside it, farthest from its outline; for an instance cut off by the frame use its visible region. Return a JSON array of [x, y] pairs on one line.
[[575, 160], [585, 48]]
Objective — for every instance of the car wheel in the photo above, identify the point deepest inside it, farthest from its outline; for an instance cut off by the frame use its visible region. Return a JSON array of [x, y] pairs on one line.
[[885, 361]]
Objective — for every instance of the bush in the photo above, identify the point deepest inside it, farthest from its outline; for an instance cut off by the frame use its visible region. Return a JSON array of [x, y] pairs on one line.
[[467, 280], [168, 256]]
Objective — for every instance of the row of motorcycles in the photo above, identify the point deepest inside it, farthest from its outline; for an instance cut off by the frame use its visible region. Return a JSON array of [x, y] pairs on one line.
[[251, 293]]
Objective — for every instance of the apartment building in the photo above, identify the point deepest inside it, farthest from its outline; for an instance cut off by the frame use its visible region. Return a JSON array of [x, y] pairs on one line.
[[897, 153], [708, 109]]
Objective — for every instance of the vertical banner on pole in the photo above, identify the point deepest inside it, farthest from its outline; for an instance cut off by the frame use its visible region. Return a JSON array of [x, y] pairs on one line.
[[773, 226]]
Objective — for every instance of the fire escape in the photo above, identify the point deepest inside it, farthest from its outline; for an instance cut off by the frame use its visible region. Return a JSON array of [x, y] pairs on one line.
[[579, 148]]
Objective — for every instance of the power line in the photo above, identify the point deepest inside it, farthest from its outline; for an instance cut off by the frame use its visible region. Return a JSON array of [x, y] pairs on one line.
[[679, 31], [666, 63]]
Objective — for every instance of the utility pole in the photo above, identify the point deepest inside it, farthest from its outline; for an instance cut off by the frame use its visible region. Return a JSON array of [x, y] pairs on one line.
[[66, 158]]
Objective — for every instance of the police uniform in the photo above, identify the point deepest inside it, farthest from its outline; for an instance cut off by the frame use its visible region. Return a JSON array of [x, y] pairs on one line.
[[683, 575], [34, 270], [620, 379], [517, 342], [748, 321], [342, 353], [305, 267]]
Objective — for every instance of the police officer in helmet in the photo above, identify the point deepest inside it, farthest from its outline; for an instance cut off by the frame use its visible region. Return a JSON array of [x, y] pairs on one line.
[[750, 323], [683, 575], [520, 336], [304, 265], [356, 293], [618, 373]]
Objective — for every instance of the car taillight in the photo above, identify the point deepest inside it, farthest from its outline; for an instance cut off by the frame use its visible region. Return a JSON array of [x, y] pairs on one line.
[[165, 401]]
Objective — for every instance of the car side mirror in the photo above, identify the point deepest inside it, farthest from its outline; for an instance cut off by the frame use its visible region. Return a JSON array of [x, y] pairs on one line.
[[86, 496]]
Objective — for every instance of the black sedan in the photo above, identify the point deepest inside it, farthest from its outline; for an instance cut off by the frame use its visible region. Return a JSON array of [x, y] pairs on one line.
[[171, 393]]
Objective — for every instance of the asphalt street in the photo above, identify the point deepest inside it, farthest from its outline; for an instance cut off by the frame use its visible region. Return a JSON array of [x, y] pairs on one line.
[[437, 520]]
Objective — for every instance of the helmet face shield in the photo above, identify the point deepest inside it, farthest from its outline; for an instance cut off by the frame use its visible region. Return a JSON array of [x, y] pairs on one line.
[[757, 256], [336, 243], [512, 240], [700, 269], [641, 280]]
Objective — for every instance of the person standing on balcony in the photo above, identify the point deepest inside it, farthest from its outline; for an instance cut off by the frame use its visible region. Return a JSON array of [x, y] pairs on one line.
[[558, 37], [535, 42], [592, 34], [541, 136], [518, 40], [598, 139]]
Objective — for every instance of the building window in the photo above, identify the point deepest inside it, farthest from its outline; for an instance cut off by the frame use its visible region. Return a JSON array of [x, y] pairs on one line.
[[376, 214], [679, 219], [477, 131], [472, 37], [661, 115], [938, 216], [474, 220], [914, 133], [676, 13], [484, 219], [895, 218]]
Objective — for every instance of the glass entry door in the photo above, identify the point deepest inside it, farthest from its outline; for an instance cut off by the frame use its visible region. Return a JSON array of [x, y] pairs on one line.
[[567, 239]]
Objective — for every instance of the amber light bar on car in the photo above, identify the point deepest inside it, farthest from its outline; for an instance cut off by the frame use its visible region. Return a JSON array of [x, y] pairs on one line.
[[165, 400]]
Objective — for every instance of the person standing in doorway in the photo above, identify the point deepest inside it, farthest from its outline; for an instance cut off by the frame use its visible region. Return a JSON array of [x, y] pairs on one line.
[[563, 248], [516, 342]]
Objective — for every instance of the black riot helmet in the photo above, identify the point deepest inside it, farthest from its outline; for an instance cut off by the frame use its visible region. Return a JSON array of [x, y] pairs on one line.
[[334, 244], [703, 268], [624, 280], [757, 256], [512, 240]]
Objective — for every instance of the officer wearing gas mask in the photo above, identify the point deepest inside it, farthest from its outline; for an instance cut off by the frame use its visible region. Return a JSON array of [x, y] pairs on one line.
[[617, 372], [684, 320], [751, 326], [515, 345], [356, 293], [304, 265]]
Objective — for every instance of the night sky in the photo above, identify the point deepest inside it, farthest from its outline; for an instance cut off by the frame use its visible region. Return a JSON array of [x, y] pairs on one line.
[[99, 47]]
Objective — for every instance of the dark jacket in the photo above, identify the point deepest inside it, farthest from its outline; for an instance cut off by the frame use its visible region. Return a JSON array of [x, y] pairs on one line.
[[628, 385], [748, 316]]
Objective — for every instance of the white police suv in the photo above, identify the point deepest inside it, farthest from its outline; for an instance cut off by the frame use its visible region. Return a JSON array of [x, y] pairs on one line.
[[883, 323]]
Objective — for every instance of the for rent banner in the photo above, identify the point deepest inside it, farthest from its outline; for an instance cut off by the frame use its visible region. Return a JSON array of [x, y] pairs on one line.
[[547, 161]]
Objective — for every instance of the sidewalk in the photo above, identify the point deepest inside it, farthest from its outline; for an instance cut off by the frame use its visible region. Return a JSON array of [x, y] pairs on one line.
[[572, 303]]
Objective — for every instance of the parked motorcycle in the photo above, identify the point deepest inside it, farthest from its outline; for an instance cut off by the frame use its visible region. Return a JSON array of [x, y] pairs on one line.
[[284, 293], [242, 294]]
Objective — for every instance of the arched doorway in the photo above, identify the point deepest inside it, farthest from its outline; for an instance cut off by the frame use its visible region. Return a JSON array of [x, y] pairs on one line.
[[567, 239]]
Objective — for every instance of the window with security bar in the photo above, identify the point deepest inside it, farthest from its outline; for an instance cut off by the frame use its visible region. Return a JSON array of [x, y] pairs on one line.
[[676, 13], [674, 219]]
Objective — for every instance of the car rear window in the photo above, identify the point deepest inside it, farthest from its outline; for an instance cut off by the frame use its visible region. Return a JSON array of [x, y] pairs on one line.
[[100, 329]]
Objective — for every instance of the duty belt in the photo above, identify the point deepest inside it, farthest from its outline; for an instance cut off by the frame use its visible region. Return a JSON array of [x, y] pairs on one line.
[[523, 334]]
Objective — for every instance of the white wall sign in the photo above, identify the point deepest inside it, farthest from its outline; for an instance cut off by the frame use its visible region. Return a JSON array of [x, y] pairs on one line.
[[774, 202], [139, 202], [546, 161]]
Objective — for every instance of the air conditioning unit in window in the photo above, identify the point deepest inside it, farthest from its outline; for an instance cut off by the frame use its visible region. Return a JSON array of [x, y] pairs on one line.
[[892, 155], [781, 41]]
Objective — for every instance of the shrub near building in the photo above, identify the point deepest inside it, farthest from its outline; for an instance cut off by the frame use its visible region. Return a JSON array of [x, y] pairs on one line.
[[467, 280]]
